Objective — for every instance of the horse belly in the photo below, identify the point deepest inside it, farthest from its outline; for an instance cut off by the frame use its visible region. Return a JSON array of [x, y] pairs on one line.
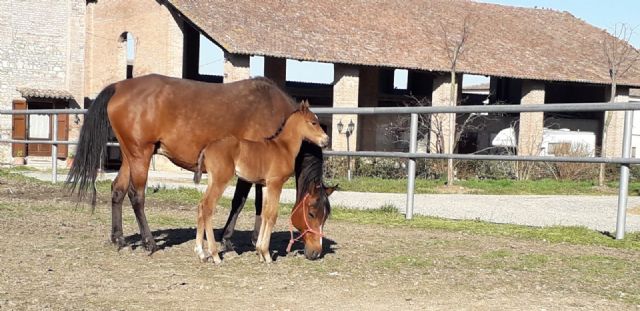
[[186, 158]]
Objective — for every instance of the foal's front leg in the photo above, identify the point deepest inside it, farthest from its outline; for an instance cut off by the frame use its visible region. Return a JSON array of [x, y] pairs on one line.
[[269, 216]]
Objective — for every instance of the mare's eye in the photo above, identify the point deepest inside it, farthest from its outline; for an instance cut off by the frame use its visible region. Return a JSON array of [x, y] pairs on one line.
[[312, 215], [314, 123]]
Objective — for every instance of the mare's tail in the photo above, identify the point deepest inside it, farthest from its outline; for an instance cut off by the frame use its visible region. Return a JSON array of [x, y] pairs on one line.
[[91, 147]]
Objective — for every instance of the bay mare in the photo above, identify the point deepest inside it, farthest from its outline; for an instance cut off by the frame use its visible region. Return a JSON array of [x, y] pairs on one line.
[[221, 126], [310, 191]]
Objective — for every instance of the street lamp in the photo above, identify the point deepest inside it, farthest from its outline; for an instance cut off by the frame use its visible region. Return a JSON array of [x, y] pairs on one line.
[[350, 127]]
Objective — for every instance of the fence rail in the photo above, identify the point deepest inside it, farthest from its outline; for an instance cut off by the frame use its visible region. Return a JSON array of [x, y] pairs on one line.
[[412, 155]]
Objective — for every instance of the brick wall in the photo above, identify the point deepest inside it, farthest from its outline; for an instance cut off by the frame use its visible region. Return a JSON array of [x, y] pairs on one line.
[[42, 47], [158, 41]]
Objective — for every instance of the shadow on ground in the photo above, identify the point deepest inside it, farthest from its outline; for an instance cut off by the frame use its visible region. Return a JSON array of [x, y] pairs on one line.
[[167, 238]]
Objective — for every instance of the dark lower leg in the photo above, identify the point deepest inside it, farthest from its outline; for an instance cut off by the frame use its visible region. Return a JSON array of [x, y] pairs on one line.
[[116, 218], [239, 198], [137, 202], [258, 220]]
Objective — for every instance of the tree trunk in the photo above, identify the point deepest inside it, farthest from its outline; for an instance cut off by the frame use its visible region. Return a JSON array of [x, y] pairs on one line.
[[451, 120], [607, 121]]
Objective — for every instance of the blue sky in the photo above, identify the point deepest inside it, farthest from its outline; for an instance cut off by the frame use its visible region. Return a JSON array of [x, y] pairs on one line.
[[600, 13]]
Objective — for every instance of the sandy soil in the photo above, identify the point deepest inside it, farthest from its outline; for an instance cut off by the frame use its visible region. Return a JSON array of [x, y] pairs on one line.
[[55, 255]]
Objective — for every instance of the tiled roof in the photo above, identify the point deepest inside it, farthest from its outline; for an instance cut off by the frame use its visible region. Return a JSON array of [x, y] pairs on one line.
[[505, 41], [44, 93]]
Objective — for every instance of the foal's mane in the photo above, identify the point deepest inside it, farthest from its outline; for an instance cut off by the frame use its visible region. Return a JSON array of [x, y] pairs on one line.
[[308, 169]]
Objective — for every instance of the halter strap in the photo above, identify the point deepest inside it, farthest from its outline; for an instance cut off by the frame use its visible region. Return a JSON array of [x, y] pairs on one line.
[[306, 222]]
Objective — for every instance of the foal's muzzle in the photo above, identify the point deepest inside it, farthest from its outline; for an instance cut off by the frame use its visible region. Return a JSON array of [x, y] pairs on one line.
[[324, 141]]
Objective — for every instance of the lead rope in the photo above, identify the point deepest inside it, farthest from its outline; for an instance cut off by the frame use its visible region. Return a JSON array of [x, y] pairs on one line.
[[304, 215]]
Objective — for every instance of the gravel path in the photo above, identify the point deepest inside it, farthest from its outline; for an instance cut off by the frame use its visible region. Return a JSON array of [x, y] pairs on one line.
[[595, 212]]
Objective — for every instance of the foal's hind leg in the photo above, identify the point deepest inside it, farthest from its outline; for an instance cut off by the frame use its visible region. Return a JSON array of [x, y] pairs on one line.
[[219, 174], [139, 167], [118, 191]]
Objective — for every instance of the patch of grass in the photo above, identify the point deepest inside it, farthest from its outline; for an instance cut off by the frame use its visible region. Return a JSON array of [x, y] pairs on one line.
[[555, 234]]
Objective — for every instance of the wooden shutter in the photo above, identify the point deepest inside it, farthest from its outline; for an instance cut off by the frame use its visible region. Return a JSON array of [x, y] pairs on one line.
[[19, 128], [63, 134]]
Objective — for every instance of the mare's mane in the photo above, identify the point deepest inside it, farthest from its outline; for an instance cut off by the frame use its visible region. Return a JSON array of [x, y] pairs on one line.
[[308, 169], [266, 86]]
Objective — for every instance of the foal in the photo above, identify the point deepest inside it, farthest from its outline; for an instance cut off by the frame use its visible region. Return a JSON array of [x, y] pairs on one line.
[[269, 162], [310, 191]]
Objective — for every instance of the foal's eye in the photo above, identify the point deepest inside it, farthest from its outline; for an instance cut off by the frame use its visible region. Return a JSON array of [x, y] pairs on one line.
[[314, 123]]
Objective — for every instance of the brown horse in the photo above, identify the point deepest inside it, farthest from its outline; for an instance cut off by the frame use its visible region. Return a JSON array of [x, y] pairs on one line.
[[190, 123], [310, 212]]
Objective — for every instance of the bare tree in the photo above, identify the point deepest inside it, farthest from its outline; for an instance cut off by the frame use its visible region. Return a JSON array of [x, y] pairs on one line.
[[620, 57], [431, 127], [455, 45]]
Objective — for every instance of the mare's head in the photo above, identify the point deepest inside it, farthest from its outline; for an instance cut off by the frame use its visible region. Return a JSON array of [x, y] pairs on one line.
[[308, 125], [309, 216]]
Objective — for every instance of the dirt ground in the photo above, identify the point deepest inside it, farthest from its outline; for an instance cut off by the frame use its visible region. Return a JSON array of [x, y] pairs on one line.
[[55, 255]]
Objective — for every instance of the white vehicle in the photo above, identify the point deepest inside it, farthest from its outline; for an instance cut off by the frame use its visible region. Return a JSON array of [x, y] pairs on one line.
[[553, 141]]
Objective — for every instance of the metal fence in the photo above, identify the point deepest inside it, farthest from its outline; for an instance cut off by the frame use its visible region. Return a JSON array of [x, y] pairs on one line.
[[412, 155]]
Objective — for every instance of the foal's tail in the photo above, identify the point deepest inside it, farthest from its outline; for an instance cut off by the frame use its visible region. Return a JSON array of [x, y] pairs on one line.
[[91, 146]]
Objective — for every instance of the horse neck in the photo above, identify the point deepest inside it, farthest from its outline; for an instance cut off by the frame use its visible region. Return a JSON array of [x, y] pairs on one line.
[[289, 137]]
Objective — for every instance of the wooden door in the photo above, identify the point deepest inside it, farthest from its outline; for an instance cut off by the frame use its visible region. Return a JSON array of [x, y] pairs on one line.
[[19, 129]]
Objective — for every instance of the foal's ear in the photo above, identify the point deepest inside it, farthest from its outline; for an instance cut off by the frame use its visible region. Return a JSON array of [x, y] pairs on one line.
[[304, 106], [330, 190]]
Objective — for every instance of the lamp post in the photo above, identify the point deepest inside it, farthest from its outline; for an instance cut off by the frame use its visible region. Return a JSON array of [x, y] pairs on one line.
[[350, 127]]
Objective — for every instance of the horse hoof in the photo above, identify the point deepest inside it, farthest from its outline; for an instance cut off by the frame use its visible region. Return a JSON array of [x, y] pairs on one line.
[[119, 243], [227, 246], [151, 248], [264, 257]]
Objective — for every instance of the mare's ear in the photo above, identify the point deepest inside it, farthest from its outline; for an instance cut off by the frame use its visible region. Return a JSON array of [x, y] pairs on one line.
[[304, 106], [313, 190], [330, 190]]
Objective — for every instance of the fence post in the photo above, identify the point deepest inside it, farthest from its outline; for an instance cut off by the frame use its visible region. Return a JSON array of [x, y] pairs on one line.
[[411, 174], [624, 176], [54, 149]]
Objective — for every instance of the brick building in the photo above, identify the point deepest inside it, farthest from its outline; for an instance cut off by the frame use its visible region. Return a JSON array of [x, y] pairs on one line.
[[532, 56]]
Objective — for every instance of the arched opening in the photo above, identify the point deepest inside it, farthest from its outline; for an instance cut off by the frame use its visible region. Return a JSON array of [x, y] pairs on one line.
[[130, 44]]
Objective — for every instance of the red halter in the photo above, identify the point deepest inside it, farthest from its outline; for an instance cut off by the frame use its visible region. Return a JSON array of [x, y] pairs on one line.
[[306, 222]]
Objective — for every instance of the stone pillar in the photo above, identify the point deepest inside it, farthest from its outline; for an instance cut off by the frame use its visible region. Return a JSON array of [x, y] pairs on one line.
[[236, 67], [276, 70], [368, 134], [531, 125], [345, 94], [615, 130], [442, 124]]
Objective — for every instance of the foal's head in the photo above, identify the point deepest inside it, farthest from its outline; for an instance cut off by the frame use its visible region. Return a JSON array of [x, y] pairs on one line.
[[309, 217], [309, 126]]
